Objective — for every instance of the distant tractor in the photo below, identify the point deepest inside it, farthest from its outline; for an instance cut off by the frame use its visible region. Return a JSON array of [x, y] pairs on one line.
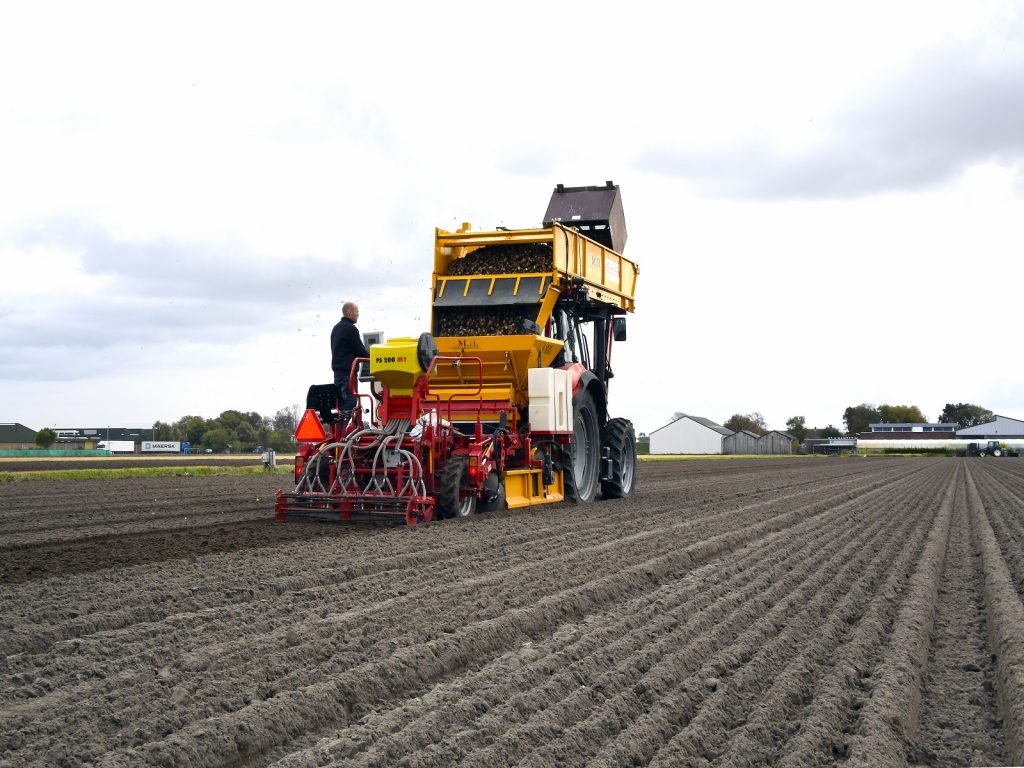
[[991, 448]]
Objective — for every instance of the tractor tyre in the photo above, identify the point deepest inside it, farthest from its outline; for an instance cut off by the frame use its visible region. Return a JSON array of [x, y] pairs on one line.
[[450, 502], [497, 488], [997, 452], [581, 462], [620, 440]]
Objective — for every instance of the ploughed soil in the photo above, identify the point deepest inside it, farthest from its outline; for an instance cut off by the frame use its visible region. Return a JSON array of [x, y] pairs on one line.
[[750, 612]]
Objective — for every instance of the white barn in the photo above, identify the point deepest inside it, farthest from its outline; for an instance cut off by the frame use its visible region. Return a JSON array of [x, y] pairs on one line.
[[1002, 428], [689, 434]]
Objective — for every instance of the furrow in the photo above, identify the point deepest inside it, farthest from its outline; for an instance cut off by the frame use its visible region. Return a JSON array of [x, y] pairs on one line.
[[671, 713], [315, 650], [1003, 502], [890, 714], [747, 722], [329, 576], [234, 736], [50, 625], [1005, 614], [959, 707], [614, 635]]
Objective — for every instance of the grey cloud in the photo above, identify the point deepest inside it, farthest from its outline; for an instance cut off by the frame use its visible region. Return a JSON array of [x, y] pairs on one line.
[[102, 321], [50, 359], [165, 292], [169, 269], [953, 107]]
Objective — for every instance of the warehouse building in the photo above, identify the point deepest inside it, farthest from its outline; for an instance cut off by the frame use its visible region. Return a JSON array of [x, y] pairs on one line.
[[908, 437], [689, 435], [16, 437], [941, 429], [1003, 428], [903, 434]]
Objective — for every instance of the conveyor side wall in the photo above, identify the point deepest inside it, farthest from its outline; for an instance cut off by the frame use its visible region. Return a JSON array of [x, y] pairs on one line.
[[609, 276]]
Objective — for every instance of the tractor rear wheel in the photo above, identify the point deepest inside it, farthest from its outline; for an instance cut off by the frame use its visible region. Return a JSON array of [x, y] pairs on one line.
[[450, 502], [997, 452], [620, 440], [581, 461]]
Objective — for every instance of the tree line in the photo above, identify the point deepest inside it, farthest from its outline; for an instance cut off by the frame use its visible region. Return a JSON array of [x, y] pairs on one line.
[[858, 418], [242, 432], [795, 426], [233, 431]]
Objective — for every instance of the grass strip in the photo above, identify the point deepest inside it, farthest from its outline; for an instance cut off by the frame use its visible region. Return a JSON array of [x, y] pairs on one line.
[[112, 474]]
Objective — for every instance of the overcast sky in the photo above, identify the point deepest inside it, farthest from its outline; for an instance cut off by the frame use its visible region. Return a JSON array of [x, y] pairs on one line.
[[825, 199]]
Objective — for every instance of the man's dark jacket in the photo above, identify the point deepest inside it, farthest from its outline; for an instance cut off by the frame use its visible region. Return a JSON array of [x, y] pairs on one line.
[[346, 346]]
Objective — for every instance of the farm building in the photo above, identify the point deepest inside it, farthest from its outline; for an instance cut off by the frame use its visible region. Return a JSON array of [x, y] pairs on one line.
[[689, 434], [830, 445], [945, 430], [775, 443], [1002, 428], [16, 437], [742, 442], [901, 433]]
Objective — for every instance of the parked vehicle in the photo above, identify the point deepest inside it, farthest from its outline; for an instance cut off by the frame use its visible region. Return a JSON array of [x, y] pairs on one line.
[[991, 448]]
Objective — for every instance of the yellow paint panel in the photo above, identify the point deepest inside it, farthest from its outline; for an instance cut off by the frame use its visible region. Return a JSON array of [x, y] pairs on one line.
[[396, 364], [505, 359], [523, 488]]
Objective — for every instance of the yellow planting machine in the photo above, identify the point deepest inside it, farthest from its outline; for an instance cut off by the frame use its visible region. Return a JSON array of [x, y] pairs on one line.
[[505, 401]]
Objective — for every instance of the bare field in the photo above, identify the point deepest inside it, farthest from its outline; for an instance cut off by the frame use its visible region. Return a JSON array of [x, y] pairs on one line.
[[831, 612]]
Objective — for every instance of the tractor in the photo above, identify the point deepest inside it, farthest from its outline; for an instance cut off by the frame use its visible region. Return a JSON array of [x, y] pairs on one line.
[[504, 403], [991, 448]]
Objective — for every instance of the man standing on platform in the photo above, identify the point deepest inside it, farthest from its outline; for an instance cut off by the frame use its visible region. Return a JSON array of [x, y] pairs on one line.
[[346, 346]]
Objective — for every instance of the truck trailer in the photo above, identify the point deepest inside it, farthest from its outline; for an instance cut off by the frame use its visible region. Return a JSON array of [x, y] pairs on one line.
[[117, 446]]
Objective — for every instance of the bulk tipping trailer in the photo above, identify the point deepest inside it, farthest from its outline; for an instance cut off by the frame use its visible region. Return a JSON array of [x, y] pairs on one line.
[[506, 401]]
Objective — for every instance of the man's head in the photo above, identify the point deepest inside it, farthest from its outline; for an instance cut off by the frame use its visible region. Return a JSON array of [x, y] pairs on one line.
[[350, 310]]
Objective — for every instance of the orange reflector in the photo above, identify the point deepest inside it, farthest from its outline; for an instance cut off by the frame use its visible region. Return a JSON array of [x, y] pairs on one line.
[[310, 430], [473, 468]]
